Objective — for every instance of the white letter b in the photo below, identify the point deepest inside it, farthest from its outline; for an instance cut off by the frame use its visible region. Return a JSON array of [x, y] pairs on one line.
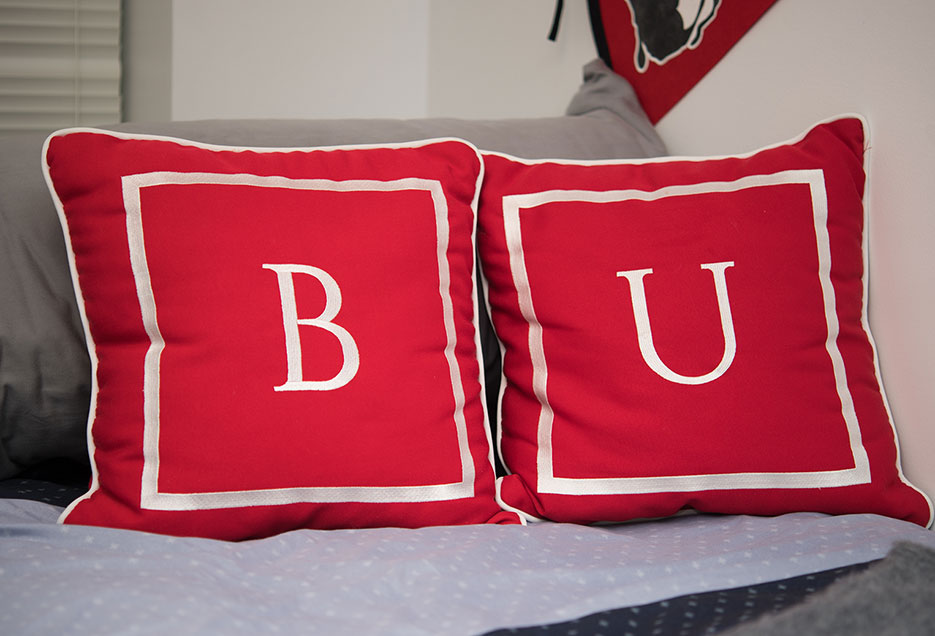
[[291, 322]]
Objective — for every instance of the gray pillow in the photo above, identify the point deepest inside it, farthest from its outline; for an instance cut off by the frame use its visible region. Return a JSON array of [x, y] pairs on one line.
[[44, 366]]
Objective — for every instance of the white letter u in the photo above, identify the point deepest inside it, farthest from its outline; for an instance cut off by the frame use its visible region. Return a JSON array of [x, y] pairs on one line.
[[645, 333]]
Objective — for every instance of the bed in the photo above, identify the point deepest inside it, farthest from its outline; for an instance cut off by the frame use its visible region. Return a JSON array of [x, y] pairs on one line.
[[514, 479], [694, 575]]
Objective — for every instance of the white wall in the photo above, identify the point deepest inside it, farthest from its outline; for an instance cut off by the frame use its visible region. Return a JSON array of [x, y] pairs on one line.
[[802, 62], [295, 58], [490, 58], [192, 59], [147, 60]]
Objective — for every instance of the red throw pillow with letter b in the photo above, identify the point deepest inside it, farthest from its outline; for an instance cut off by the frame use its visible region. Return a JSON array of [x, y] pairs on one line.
[[281, 338]]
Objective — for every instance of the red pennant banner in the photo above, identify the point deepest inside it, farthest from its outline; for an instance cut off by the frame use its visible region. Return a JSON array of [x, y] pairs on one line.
[[664, 47]]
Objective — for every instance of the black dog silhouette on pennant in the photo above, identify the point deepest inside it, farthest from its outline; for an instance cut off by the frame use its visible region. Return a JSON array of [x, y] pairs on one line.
[[665, 28]]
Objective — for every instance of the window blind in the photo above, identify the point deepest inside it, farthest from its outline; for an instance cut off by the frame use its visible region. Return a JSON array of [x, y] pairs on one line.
[[59, 63]]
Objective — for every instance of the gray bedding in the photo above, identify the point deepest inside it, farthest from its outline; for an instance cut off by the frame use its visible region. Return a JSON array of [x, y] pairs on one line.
[[58, 579], [893, 597]]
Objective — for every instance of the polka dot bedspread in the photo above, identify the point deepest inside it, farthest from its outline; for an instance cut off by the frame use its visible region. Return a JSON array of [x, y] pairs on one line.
[[57, 579]]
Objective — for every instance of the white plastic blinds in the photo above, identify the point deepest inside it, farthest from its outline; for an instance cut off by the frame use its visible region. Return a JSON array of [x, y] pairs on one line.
[[59, 63]]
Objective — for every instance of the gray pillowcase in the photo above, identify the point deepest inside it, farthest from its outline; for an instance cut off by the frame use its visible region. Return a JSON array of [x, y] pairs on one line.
[[44, 366]]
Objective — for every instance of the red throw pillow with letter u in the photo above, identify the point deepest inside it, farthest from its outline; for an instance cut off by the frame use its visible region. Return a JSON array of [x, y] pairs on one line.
[[690, 333], [281, 338]]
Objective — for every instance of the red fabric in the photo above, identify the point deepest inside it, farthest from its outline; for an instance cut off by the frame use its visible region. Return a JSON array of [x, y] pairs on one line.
[[661, 83], [760, 396], [372, 418]]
